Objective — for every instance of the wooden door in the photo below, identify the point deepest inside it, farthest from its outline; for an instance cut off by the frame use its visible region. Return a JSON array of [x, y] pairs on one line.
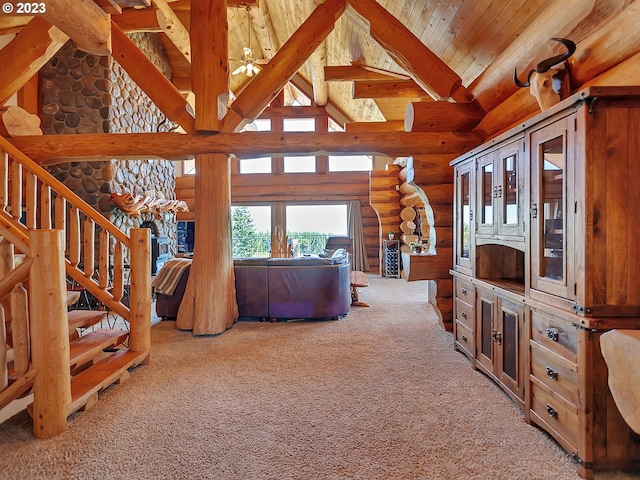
[[510, 346], [485, 330]]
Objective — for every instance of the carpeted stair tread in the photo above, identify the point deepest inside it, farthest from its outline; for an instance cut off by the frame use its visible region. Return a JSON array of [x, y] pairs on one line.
[[99, 376], [87, 347], [84, 318]]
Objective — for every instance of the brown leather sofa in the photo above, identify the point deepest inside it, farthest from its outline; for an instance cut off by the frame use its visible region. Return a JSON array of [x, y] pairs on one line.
[[282, 288]]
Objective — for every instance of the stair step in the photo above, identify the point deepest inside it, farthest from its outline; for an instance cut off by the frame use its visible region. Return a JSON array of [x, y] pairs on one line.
[[72, 297], [88, 347], [88, 383], [84, 318]]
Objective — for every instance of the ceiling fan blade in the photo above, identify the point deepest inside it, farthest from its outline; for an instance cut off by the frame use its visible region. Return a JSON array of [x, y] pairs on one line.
[[240, 69]]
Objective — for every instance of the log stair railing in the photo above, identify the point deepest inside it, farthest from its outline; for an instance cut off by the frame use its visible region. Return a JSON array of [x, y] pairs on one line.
[[56, 232]]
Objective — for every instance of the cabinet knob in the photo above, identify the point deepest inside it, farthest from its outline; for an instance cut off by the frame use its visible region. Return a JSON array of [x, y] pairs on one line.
[[552, 374], [553, 413], [553, 334], [534, 210], [464, 338], [464, 291], [463, 315]]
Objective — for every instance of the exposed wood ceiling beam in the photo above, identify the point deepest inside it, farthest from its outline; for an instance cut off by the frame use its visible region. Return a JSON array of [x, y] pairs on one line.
[[317, 62], [431, 73], [306, 88], [134, 20], [531, 46], [83, 21], [389, 89], [9, 25], [159, 89], [174, 146], [388, 126], [26, 54], [134, 3], [109, 6], [441, 117], [347, 73], [275, 75], [264, 29], [184, 5], [173, 28], [210, 72]]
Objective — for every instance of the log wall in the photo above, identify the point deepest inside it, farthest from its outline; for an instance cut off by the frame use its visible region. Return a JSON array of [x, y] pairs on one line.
[[297, 188]]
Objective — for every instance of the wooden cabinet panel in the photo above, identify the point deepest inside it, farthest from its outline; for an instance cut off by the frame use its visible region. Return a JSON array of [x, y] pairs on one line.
[[557, 335], [554, 412], [464, 313], [464, 339], [555, 372], [464, 324]]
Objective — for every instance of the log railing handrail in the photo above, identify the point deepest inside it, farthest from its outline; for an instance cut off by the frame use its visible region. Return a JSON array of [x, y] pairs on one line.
[[63, 190], [66, 204], [16, 276]]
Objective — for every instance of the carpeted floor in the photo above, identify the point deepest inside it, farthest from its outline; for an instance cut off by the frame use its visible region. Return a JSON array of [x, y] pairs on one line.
[[380, 394]]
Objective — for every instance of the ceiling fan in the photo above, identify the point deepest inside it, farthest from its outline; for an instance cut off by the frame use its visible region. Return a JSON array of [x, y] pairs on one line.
[[248, 64]]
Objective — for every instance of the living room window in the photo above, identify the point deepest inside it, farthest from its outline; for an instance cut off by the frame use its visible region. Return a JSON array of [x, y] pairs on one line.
[[260, 164], [251, 230], [309, 226]]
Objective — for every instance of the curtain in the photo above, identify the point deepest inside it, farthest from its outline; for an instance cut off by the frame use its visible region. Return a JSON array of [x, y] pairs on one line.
[[359, 260]]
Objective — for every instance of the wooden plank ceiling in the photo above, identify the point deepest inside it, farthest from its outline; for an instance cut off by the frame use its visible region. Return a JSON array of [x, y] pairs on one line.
[[467, 35]]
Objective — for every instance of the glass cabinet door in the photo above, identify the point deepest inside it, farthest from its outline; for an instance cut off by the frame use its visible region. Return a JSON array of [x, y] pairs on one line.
[[464, 217], [550, 238], [487, 194], [509, 190]]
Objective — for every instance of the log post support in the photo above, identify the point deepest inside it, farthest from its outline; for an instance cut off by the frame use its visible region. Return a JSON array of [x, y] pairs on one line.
[[49, 333], [140, 291]]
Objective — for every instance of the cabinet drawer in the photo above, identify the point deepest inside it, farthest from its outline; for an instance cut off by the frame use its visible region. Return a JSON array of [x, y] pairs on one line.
[[464, 313], [464, 339], [555, 372], [555, 415], [465, 291], [557, 335]]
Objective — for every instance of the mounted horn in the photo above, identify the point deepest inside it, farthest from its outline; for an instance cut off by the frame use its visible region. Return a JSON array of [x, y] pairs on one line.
[[518, 82], [545, 65]]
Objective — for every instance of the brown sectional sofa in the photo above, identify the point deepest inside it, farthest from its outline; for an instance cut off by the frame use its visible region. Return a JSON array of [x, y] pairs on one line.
[[282, 288]]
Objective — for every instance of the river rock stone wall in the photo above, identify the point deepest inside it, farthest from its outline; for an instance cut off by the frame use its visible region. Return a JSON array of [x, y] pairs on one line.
[[84, 93]]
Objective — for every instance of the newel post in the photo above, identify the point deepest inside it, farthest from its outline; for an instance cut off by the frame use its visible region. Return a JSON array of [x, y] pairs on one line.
[[140, 291], [49, 333]]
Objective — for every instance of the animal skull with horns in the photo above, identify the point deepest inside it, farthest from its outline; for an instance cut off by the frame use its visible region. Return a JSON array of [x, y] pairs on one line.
[[544, 82]]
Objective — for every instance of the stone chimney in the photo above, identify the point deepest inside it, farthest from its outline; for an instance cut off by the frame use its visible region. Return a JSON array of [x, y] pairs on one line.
[[84, 93]]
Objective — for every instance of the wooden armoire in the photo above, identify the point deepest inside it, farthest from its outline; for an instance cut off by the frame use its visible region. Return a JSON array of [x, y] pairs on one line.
[[547, 258]]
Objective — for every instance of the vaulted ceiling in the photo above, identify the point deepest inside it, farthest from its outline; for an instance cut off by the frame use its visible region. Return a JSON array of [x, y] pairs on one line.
[[377, 60]]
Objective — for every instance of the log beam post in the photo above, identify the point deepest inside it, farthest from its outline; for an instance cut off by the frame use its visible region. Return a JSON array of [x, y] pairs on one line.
[[209, 304], [140, 292], [158, 87], [441, 117], [173, 28], [26, 54], [49, 333], [83, 21]]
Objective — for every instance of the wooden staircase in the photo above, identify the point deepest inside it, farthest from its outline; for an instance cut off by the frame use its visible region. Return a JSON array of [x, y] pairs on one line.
[[61, 356]]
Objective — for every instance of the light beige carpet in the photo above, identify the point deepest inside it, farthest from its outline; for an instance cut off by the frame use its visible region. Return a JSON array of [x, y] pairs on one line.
[[380, 394]]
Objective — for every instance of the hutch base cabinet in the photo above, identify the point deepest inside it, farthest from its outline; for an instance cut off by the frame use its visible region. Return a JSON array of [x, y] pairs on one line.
[[547, 259]]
